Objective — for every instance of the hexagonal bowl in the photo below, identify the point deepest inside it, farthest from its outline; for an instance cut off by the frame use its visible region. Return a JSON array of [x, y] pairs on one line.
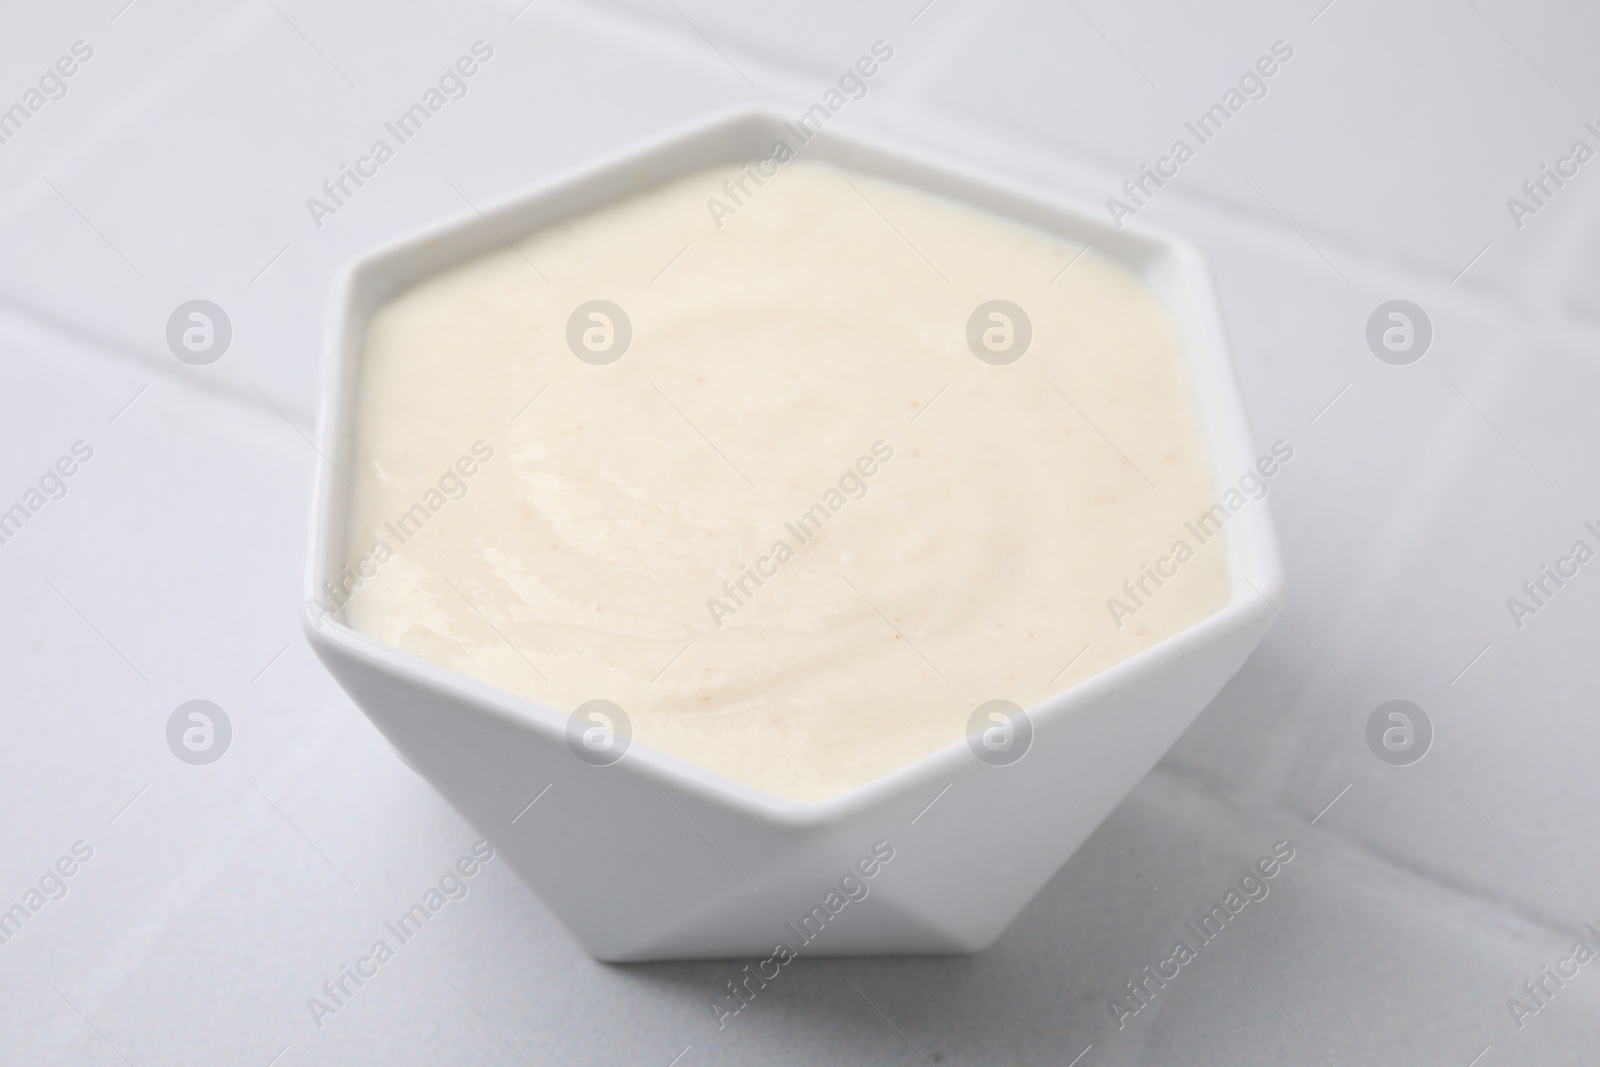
[[655, 858]]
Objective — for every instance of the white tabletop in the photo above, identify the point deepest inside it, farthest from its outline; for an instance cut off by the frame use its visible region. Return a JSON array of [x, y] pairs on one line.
[[1378, 165]]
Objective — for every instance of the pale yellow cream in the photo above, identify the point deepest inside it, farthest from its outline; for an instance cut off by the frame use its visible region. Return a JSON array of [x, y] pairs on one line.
[[779, 353]]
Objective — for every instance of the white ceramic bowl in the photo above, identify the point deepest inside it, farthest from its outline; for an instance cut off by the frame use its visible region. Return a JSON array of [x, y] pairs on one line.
[[654, 858]]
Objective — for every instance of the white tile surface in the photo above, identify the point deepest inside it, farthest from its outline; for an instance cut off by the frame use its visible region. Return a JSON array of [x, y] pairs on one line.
[[1395, 133], [221, 897]]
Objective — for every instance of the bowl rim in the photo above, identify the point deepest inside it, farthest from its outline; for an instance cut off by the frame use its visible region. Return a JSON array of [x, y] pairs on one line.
[[363, 282]]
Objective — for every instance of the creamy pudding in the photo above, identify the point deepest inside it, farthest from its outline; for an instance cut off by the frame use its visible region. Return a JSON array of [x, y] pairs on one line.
[[798, 484]]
